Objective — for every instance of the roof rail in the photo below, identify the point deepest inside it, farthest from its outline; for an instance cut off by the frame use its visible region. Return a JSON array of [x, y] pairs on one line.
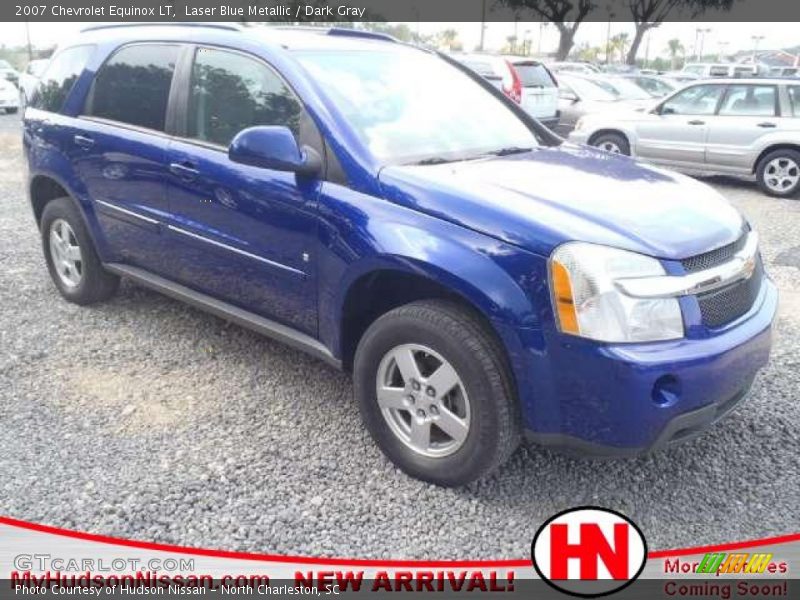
[[360, 33], [337, 31], [225, 26]]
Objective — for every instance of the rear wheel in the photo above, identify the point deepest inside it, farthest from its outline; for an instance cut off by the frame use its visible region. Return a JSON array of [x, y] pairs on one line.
[[778, 173], [71, 259], [435, 393], [615, 143]]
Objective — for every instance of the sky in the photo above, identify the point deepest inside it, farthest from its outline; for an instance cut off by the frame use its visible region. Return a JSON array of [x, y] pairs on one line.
[[728, 37]]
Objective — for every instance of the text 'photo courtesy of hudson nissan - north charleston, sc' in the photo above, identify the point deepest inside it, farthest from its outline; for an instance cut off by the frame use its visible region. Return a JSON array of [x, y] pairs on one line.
[[484, 281]]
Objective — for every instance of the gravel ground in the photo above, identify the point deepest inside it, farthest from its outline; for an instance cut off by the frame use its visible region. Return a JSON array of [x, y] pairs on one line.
[[144, 418]]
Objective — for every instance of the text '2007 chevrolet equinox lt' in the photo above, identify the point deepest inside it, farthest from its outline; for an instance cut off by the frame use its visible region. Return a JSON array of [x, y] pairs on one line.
[[388, 211]]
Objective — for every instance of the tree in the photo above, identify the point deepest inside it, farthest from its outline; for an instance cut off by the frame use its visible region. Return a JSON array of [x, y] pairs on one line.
[[619, 43], [447, 38], [648, 14], [587, 53], [557, 12], [675, 47]]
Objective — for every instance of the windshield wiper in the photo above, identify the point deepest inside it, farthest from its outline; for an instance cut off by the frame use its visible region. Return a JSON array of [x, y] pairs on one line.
[[509, 150], [433, 160]]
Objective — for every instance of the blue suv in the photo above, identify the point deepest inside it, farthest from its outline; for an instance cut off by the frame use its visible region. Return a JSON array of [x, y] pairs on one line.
[[386, 210]]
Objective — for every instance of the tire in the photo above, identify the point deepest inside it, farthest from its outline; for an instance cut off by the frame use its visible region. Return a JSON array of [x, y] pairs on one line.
[[778, 173], [615, 143], [446, 332], [86, 282]]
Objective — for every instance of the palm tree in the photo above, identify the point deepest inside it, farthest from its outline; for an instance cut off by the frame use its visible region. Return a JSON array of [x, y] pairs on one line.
[[447, 37], [675, 48], [619, 43]]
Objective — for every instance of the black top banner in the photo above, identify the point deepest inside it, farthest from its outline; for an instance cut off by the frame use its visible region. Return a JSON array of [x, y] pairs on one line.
[[564, 12]]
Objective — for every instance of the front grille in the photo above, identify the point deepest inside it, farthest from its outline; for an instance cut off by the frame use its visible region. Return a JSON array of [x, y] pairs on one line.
[[701, 262], [727, 304]]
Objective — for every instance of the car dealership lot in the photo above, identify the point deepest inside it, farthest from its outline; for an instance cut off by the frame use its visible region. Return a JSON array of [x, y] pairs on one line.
[[147, 419]]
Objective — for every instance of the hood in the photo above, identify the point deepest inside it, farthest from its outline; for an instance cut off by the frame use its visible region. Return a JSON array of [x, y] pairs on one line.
[[540, 199]]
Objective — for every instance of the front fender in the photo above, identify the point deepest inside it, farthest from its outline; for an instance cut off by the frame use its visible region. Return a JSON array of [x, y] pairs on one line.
[[360, 235]]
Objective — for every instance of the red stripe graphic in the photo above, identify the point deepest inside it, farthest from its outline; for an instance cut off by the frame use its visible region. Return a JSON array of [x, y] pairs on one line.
[[462, 564]]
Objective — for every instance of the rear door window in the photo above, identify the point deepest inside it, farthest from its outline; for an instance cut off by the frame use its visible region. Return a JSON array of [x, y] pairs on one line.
[[133, 86], [534, 75], [750, 101], [59, 78]]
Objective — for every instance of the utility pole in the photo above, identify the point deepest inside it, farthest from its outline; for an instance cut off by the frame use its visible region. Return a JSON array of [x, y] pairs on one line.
[[483, 23], [608, 36], [756, 39], [28, 35], [722, 46], [703, 33]]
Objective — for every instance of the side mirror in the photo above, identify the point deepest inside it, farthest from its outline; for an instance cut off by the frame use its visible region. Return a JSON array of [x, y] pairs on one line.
[[666, 110], [275, 148]]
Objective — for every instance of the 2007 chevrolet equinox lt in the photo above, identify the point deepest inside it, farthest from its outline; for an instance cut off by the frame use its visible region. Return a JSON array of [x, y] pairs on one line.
[[388, 211]]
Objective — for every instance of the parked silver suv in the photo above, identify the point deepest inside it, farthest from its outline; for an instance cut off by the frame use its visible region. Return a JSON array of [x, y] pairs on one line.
[[737, 126]]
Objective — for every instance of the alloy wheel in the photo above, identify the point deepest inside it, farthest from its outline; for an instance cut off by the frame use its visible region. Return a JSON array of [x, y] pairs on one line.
[[423, 400], [611, 147], [65, 253], [781, 174]]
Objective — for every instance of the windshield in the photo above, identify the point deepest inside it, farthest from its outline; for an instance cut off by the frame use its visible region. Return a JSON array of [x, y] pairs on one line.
[[587, 90], [410, 106]]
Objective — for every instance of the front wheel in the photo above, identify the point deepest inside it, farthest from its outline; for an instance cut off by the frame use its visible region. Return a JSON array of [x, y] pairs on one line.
[[778, 173], [613, 143], [434, 392]]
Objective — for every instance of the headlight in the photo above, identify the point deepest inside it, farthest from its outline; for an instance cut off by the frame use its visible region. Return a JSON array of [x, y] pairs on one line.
[[587, 302]]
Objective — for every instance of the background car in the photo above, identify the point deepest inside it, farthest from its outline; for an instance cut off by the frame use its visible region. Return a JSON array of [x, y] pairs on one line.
[[623, 88], [8, 72], [655, 85], [9, 97], [708, 70], [526, 81], [580, 96], [738, 126], [30, 78], [574, 67]]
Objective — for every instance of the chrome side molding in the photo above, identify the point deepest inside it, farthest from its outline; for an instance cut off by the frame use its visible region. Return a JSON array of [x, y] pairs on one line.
[[741, 266]]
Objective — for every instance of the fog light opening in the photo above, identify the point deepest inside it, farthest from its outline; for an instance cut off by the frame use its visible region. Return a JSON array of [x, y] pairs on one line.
[[666, 391]]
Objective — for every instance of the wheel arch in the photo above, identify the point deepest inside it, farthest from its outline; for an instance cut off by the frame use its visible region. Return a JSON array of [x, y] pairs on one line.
[[607, 130], [772, 148]]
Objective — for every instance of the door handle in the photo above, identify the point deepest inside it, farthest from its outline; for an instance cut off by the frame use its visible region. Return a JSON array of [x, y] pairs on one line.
[[697, 122], [767, 124], [83, 141], [184, 170]]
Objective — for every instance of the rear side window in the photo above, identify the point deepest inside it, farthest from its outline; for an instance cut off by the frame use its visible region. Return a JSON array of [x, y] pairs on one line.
[[61, 74], [534, 75], [231, 92], [794, 99], [750, 100], [133, 86]]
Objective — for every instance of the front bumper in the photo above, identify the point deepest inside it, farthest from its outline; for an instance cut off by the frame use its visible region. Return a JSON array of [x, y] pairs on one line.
[[609, 400], [578, 137]]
